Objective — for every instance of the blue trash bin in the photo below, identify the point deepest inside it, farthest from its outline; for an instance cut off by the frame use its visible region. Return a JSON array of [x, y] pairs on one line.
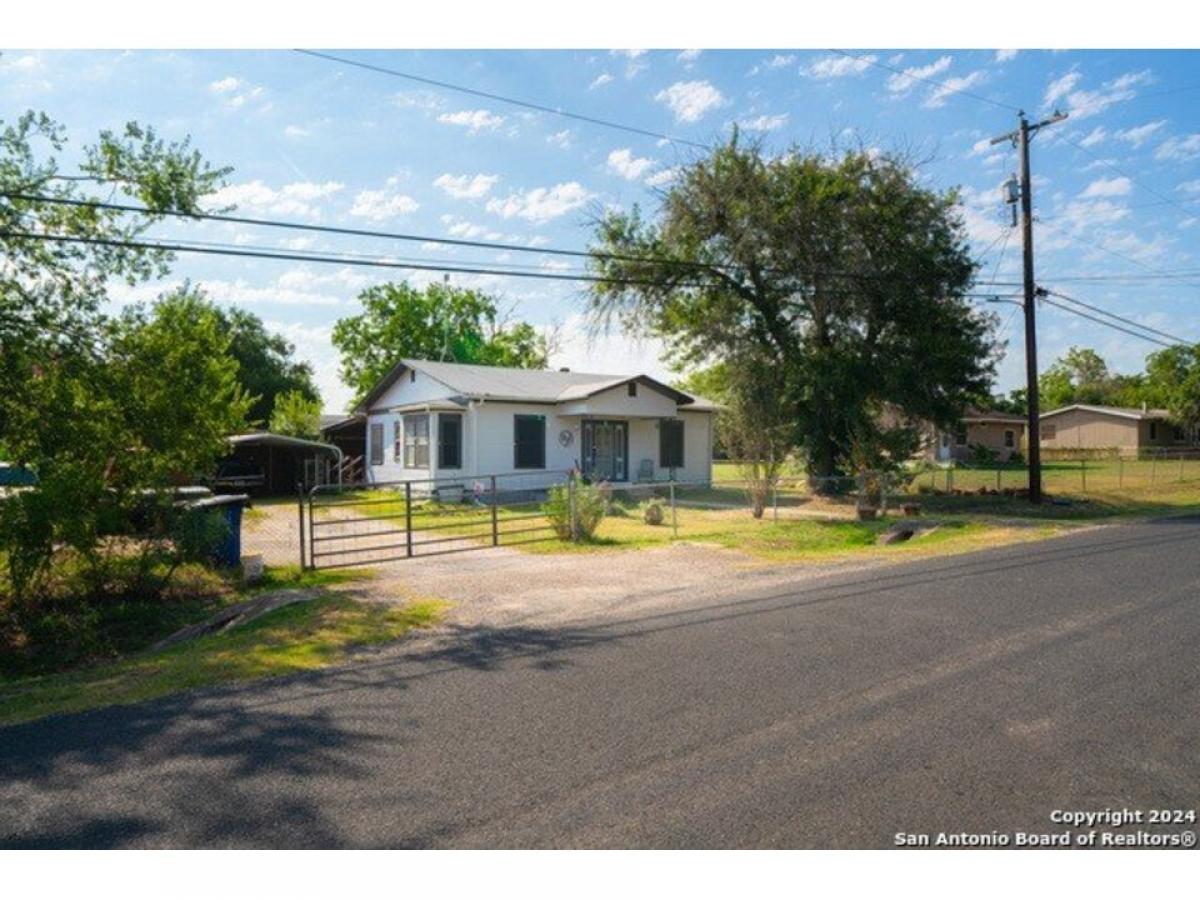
[[228, 553]]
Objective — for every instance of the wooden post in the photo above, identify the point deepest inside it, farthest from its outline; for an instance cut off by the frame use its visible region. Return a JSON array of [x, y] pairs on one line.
[[300, 510], [408, 542], [674, 518], [1083, 473], [495, 520]]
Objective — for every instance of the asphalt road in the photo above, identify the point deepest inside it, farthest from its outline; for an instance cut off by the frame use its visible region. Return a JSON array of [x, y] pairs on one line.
[[976, 693]]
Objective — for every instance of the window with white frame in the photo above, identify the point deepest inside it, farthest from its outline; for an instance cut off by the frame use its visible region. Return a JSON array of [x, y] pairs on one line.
[[416, 442]]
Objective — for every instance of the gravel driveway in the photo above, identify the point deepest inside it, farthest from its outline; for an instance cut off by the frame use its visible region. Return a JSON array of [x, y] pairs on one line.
[[497, 587]]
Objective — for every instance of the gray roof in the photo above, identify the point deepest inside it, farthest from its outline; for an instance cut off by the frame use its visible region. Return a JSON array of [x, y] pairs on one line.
[[1123, 412], [529, 385]]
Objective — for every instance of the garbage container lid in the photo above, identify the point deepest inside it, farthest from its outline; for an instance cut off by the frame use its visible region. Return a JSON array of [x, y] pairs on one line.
[[218, 500]]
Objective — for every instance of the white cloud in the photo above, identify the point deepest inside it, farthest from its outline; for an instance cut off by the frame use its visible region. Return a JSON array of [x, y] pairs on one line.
[[237, 93], [1095, 136], [635, 62], [1108, 187], [765, 123], [600, 81], [295, 199], [1006, 55], [690, 100], [560, 138], [1083, 103], [662, 177], [1139, 135], [474, 120], [461, 228], [628, 166], [466, 187], [1180, 149], [295, 131], [583, 350], [903, 82], [780, 61], [980, 147], [937, 97], [632, 54], [1060, 87], [839, 66], [385, 203], [687, 56], [542, 204], [1190, 187]]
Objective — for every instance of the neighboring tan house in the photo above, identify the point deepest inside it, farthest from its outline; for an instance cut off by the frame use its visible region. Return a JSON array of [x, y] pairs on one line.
[[1122, 430], [429, 420], [1003, 433]]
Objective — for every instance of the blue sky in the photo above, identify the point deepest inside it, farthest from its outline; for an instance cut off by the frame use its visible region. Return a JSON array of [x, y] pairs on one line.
[[315, 141]]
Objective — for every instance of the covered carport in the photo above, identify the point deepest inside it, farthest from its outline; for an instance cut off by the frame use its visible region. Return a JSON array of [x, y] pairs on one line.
[[267, 464]]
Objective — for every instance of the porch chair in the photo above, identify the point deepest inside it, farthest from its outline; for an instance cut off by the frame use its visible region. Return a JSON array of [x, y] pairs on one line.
[[645, 470]]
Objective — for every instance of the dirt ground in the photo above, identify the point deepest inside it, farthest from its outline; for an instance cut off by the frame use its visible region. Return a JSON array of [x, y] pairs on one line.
[[498, 587]]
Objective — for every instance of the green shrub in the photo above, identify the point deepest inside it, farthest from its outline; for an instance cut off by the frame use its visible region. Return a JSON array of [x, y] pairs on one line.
[[652, 512], [591, 501]]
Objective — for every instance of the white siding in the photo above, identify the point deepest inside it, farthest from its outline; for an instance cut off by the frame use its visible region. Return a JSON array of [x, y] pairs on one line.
[[488, 434], [617, 404]]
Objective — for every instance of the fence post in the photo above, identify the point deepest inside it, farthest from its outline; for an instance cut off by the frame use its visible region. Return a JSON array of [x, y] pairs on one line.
[[674, 518], [408, 517], [495, 519], [300, 510], [572, 512], [1083, 473]]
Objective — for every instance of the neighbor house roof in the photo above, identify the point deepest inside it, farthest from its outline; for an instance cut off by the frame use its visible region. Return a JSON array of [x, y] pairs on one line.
[[269, 439], [1121, 412], [986, 415], [527, 385]]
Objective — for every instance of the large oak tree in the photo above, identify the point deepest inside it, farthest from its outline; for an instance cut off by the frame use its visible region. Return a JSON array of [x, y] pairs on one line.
[[847, 274]]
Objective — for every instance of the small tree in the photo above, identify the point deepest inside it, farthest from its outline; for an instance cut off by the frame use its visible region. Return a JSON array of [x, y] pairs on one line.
[[296, 415], [754, 426]]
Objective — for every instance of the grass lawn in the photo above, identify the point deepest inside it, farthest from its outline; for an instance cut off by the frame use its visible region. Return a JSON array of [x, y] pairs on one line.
[[295, 638]]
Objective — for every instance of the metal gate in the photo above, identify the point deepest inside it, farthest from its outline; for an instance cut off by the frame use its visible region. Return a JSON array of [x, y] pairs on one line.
[[365, 524]]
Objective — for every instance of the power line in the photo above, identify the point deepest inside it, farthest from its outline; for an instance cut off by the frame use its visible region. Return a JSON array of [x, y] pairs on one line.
[[1112, 315], [329, 229], [1107, 324], [949, 88], [271, 254], [500, 98], [1121, 256], [311, 257], [352, 232]]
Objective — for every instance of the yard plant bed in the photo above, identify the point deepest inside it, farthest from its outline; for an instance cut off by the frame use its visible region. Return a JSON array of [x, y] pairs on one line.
[[320, 632]]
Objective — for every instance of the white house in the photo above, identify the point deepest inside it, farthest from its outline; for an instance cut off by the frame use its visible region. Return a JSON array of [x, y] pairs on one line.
[[433, 420]]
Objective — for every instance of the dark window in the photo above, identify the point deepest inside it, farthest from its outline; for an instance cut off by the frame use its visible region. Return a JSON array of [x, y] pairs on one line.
[[416, 442], [960, 436], [1010, 438], [1154, 431], [670, 444], [1178, 433], [377, 443], [449, 441], [529, 442], [396, 442], [412, 375], [632, 386]]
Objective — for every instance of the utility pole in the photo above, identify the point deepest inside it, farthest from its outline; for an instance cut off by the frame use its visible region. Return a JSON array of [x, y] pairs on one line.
[[1020, 139]]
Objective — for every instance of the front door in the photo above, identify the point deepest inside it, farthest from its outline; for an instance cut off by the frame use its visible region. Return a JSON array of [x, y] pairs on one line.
[[606, 449]]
